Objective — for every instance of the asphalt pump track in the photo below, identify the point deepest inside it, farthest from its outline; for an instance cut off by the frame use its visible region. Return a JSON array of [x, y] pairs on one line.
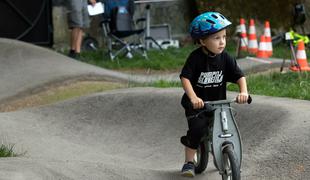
[[131, 133]]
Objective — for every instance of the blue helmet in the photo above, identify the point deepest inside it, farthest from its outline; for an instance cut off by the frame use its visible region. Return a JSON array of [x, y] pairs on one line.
[[207, 23]]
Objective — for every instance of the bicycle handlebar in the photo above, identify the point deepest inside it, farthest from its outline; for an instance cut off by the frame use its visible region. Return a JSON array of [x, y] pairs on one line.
[[226, 101]]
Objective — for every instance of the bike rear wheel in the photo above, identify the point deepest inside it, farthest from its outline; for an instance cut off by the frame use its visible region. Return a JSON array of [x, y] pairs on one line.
[[230, 164], [201, 157]]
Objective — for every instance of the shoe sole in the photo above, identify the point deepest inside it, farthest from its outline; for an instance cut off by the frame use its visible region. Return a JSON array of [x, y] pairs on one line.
[[188, 174]]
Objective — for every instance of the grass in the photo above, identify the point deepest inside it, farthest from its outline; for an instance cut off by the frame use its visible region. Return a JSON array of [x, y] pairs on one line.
[[172, 58], [7, 151], [291, 84]]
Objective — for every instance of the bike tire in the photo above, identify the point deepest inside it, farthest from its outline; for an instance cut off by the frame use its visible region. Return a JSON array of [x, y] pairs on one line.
[[201, 157], [231, 164], [89, 44]]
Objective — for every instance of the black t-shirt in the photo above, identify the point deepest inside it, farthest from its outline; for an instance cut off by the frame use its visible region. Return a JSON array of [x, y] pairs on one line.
[[208, 75]]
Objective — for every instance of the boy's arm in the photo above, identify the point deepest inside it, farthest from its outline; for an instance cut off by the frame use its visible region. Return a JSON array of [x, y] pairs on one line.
[[243, 95], [188, 88]]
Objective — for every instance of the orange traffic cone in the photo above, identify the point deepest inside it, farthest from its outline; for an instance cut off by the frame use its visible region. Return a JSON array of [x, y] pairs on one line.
[[253, 45], [243, 36], [262, 50], [301, 58], [267, 34]]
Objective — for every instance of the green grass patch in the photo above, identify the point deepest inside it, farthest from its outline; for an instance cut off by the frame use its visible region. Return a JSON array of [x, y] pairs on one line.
[[7, 151], [281, 51], [171, 58], [291, 84]]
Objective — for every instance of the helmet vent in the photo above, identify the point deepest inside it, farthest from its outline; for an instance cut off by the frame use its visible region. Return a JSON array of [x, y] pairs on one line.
[[210, 21], [222, 17], [214, 16]]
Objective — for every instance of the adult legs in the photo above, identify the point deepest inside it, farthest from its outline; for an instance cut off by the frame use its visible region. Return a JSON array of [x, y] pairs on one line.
[[78, 19], [76, 39]]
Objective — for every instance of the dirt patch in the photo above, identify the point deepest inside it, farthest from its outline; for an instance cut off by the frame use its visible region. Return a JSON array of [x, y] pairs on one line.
[[62, 91], [59, 93]]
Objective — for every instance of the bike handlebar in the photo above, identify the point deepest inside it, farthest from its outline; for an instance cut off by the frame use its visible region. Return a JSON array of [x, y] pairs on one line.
[[226, 101]]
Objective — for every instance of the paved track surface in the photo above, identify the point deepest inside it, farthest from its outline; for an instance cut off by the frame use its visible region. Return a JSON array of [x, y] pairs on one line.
[[131, 133]]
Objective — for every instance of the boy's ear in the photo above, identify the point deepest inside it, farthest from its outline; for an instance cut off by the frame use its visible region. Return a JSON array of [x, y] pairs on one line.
[[201, 42]]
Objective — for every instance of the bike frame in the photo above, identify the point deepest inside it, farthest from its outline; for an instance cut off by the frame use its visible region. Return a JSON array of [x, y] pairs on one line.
[[224, 132]]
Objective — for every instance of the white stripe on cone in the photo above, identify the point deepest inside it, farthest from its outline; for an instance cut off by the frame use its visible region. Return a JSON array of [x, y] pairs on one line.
[[301, 54]]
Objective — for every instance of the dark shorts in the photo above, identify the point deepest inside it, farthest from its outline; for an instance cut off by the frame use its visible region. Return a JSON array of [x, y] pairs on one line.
[[78, 14], [197, 126], [198, 122]]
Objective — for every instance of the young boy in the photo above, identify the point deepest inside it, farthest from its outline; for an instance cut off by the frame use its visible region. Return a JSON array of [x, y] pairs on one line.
[[204, 78]]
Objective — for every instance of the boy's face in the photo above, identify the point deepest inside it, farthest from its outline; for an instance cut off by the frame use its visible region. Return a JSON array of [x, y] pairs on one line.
[[215, 42]]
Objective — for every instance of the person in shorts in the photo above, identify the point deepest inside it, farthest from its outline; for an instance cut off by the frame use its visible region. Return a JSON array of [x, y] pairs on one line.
[[78, 20]]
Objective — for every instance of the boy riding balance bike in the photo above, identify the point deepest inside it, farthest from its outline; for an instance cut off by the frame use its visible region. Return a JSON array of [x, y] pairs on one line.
[[204, 76]]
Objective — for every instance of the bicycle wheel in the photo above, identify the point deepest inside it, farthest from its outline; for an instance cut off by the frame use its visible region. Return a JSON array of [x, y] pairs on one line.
[[201, 157], [89, 44], [230, 164]]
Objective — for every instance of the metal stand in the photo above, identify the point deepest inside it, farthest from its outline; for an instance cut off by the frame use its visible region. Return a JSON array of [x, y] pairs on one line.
[[148, 36], [293, 57]]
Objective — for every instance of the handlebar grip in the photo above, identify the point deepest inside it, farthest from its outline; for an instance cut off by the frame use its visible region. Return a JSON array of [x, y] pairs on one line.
[[249, 99]]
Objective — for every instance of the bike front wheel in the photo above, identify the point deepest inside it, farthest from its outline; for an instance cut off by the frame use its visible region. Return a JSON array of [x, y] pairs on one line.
[[230, 164]]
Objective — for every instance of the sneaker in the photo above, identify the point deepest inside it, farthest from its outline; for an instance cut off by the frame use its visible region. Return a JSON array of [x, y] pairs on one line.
[[72, 54], [188, 169], [78, 56], [75, 55]]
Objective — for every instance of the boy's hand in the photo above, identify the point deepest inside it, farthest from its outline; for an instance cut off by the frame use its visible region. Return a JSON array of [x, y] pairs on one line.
[[197, 103], [242, 98]]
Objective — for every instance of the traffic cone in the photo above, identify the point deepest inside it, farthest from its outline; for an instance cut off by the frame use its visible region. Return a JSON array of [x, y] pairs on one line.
[[301, 58], [243, 36], [262, 49], [267, 34], [253, 45]]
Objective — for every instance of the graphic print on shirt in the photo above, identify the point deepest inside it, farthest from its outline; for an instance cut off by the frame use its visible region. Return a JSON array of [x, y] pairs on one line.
[[210, 79]]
